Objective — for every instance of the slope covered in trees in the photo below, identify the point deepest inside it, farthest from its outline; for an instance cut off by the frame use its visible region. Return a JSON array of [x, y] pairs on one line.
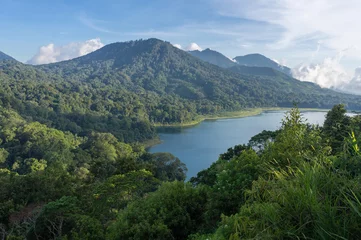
[[4, 56], [124, 88], [258, 60]]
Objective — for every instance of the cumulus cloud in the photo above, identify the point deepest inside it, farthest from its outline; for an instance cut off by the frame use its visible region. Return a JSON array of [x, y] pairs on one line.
[[51, 53], [329, 73], [193, 47], [306, 23], [177, 46], [354, 86]]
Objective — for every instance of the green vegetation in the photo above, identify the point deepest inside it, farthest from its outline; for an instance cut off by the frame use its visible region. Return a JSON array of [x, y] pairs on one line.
[[128, 88], [258, 60], [73, 166], [301, 181]]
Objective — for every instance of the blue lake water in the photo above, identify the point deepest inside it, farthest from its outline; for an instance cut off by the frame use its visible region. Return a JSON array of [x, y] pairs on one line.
[[199, 146]]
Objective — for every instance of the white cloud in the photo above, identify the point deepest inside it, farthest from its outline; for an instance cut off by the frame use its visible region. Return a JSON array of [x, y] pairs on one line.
[[276, 61], [52, 53], [329, 73], [177, 46], [193, 47], [332, 21], [354, 86], [328, 24], [93, 24]]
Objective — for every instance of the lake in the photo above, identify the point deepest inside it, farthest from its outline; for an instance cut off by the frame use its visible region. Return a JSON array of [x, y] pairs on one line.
[[199, 146]]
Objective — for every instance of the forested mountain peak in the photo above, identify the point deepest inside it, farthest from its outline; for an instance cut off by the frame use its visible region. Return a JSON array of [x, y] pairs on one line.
[[124, 53], [4, 56], [258, 60], [213, 57]]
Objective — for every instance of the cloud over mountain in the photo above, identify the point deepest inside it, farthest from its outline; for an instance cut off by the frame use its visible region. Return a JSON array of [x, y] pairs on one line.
[[52, 53], [328, 74], [192, 47]]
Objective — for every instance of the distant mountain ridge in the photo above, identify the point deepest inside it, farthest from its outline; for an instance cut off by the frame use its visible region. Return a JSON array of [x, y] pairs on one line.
[[258, 60], [4, 56], [250, 60], [213, 57]]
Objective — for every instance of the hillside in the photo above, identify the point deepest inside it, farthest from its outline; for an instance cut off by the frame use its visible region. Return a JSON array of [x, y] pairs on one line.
[[156, 67], [260, 71], [258, 60], [3, 56], [124, 88], [213, 57]]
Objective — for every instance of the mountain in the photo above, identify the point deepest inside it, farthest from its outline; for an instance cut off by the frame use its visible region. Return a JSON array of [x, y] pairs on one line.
[[3, 56], [258, 60], [260, 71], [126, 88], [213, 57]]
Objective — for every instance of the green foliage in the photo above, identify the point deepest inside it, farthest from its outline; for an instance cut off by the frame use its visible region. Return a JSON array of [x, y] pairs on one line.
[[172, 212], [227, 194], [259, 141], [58, 185], [68, 171], [166, 167], [124, 88], [336, 127]]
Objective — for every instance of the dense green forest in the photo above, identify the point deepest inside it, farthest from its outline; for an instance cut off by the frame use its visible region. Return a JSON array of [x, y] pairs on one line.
[[126, 88], [258, 60], [299, 182], [73, 163]]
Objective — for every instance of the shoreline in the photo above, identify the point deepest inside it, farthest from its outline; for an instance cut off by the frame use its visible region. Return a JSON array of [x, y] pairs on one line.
[[225, 115], [235, 114], [151, 142]]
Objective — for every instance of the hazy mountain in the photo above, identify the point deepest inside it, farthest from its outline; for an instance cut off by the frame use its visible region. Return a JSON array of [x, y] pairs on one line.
[[258, 60], [213, 57], [261, 71], [3, 56]]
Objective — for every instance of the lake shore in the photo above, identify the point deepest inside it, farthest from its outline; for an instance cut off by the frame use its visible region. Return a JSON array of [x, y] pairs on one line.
[[235, 114], [151, 142], [225, 115]]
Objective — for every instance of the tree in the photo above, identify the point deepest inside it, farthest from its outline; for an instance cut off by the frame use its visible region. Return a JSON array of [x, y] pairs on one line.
[[172, 212], [165, 166], [336, 127]]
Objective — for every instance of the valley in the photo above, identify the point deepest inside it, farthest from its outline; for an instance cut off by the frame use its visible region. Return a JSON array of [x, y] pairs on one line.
[[74, 163]]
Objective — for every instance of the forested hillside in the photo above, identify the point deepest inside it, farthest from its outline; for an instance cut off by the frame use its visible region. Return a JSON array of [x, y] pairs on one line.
[[3, 56], [299, 182], [73, 166], [126, 88], [258, 60]]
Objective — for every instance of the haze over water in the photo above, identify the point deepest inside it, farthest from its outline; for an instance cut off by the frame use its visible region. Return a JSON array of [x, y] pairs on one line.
[[201, 145]]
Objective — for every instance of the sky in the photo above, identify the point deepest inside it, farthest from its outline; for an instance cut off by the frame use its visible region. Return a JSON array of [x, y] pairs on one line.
[[319, 39]]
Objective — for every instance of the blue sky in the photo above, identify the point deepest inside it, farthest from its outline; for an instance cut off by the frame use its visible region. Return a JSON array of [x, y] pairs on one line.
[[305, 33]]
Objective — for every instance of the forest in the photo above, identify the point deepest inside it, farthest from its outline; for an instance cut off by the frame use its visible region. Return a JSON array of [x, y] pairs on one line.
[[127, 88], [299, 182], [73, 163]]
